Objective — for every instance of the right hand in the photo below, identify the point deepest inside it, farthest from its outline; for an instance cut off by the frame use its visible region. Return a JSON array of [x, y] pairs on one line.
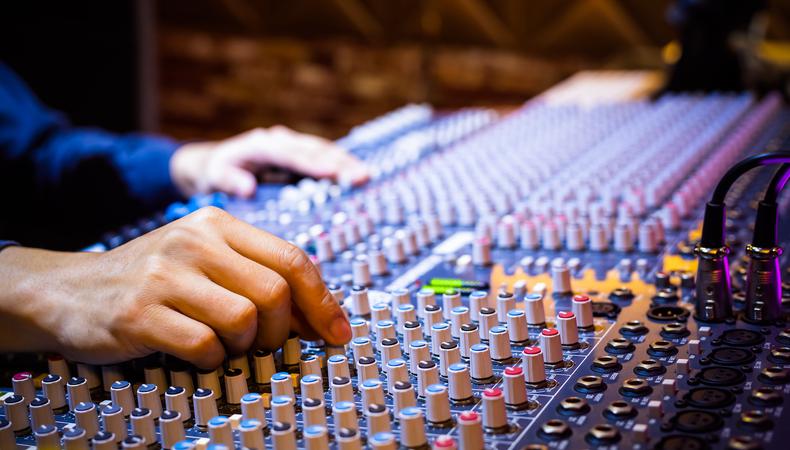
[[196, 288]]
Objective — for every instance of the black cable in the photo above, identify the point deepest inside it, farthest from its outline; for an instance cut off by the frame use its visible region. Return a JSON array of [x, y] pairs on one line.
[[777, 183], [766, 223], [713, 225], [735, 172]]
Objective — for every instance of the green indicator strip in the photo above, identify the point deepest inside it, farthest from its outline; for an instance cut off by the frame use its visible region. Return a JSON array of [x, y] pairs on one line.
[[458, 283]]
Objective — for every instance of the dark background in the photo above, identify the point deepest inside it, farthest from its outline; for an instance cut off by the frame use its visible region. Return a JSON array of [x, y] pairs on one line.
[[208, 68]]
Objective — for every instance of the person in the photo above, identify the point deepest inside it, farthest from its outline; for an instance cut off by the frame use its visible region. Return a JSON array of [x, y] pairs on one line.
[[199, 288]]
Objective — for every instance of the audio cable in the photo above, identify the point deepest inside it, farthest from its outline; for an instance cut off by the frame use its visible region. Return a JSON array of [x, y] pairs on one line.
[[764, 277], [713, 287]]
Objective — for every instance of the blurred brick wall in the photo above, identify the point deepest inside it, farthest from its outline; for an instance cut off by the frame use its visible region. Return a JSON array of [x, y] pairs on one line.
[[323, 66], [213, 85]]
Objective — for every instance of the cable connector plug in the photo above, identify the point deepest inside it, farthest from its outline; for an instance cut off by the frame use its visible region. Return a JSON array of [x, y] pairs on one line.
[[714, 293], [763, 285]]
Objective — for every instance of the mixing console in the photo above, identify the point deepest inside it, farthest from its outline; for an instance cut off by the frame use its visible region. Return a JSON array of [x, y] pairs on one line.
[[525, 281]]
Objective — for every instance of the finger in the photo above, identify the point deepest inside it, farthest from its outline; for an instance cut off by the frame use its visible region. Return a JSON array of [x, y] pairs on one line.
[[233, 180], [301, 327], [184, 338], [265, 288], [232, 317], [308, 291]]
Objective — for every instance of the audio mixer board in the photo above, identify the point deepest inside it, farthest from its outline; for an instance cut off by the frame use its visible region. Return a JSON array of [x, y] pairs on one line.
[[514, 281]]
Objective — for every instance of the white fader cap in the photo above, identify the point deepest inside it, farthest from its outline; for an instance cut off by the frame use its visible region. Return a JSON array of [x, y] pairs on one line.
[[581, 305]]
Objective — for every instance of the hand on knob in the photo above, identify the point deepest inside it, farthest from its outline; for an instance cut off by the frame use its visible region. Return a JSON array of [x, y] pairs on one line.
[[230, 165], [197, 288]]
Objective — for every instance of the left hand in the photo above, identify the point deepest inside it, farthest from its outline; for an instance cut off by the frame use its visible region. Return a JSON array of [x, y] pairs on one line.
[[230, 165]]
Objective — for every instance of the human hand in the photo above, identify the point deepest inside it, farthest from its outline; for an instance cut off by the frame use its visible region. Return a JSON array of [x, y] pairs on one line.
[[196, 288], [230, 165]]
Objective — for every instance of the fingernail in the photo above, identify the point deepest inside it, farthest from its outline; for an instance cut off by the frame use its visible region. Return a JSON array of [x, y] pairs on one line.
[[341, 330]]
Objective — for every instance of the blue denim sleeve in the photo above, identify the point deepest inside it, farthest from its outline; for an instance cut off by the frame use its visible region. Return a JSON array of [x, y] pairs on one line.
[[46, 160]]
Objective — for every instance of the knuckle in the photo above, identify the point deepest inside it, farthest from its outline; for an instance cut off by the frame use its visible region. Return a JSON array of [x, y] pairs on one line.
[[279, 290], [296, 260], [209, 215], [243, 316], [201, 342]]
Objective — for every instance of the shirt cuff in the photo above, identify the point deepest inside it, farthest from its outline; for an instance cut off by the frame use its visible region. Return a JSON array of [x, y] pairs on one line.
[[6, 244]]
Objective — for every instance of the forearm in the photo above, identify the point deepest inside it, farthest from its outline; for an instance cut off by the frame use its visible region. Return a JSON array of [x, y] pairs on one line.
[[33, 282]]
